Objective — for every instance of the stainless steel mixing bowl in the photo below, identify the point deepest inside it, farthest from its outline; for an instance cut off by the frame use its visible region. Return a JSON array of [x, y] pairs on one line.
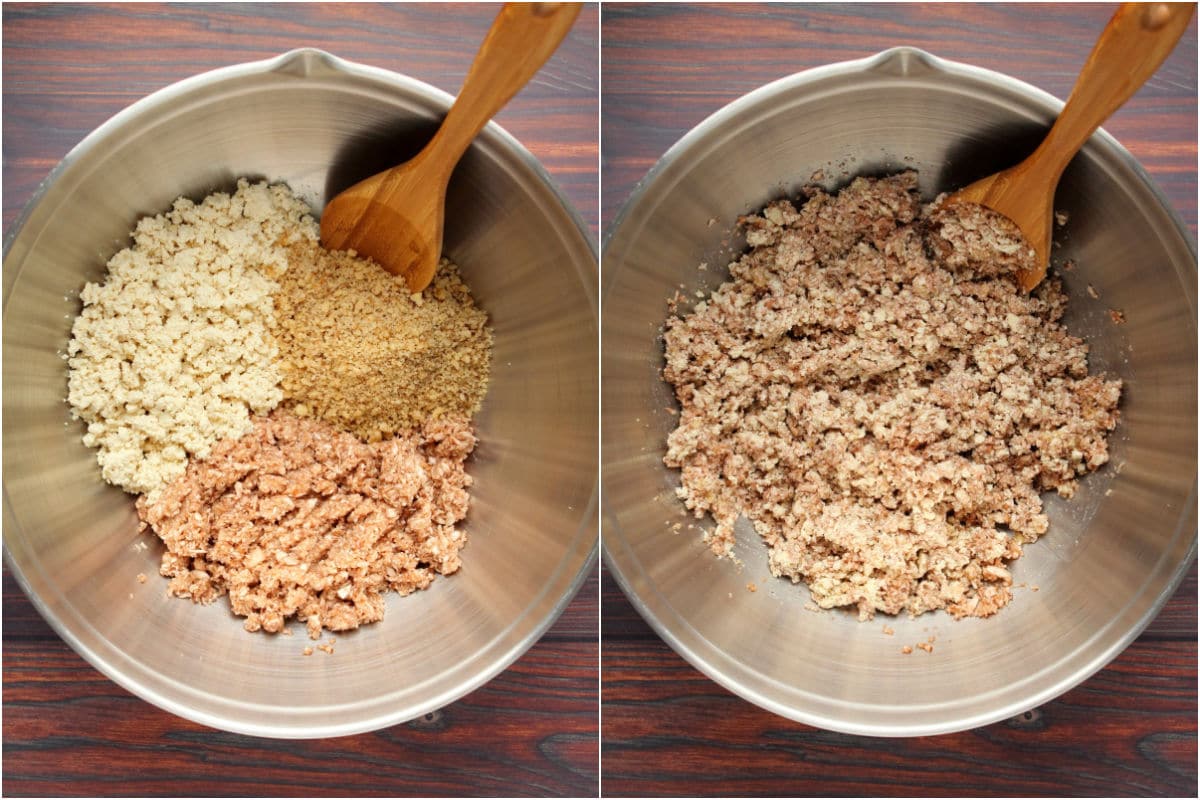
[[317, 123], [1113, 554]]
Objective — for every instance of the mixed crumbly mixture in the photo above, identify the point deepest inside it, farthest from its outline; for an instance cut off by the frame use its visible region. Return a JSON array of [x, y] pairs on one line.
[[222, 311], [173, 351], [357, 349], [875, 393], [300, 519]]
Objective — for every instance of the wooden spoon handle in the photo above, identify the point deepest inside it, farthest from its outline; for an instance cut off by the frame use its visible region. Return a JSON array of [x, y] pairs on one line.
[[520, 41], [1134, 44]]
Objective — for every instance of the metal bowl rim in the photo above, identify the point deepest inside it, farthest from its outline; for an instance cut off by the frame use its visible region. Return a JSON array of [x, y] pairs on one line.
[[305, 58], [700, 660]]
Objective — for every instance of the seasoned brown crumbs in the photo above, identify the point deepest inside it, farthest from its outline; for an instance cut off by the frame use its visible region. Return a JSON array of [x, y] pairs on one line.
[[1117, 316], [906, 649], [358, 350]]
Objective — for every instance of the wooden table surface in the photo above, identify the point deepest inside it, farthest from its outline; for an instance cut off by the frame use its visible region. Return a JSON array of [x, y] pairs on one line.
[[667, 729], [70, 731]]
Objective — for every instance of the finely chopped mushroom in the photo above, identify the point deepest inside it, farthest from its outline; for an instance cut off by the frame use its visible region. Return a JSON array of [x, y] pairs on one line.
[[875, 393], [220, 312]]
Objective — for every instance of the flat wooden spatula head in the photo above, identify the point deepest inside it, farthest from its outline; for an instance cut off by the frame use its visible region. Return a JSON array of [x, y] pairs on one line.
[[1132, 47], [400, 232], [396, 217]]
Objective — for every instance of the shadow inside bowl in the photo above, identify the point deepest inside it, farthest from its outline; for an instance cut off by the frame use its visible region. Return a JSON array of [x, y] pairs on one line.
[[375, 149]]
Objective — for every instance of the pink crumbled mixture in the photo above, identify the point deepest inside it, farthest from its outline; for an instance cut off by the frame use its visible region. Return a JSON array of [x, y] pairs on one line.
[[872, 389], [299, 519]]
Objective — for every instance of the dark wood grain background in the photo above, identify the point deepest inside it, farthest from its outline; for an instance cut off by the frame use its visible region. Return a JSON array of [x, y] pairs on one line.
[[67, 729], [667, 729]]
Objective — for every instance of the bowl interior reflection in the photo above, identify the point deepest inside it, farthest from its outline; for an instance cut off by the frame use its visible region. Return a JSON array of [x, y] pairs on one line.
[[1113, 554], [74, 542]]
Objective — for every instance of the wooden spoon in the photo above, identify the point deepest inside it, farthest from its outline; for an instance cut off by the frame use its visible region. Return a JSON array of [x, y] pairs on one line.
[[396, 217], [1132, 46]]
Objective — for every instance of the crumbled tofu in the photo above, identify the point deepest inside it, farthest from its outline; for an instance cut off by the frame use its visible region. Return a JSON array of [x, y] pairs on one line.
[[172, 352]]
